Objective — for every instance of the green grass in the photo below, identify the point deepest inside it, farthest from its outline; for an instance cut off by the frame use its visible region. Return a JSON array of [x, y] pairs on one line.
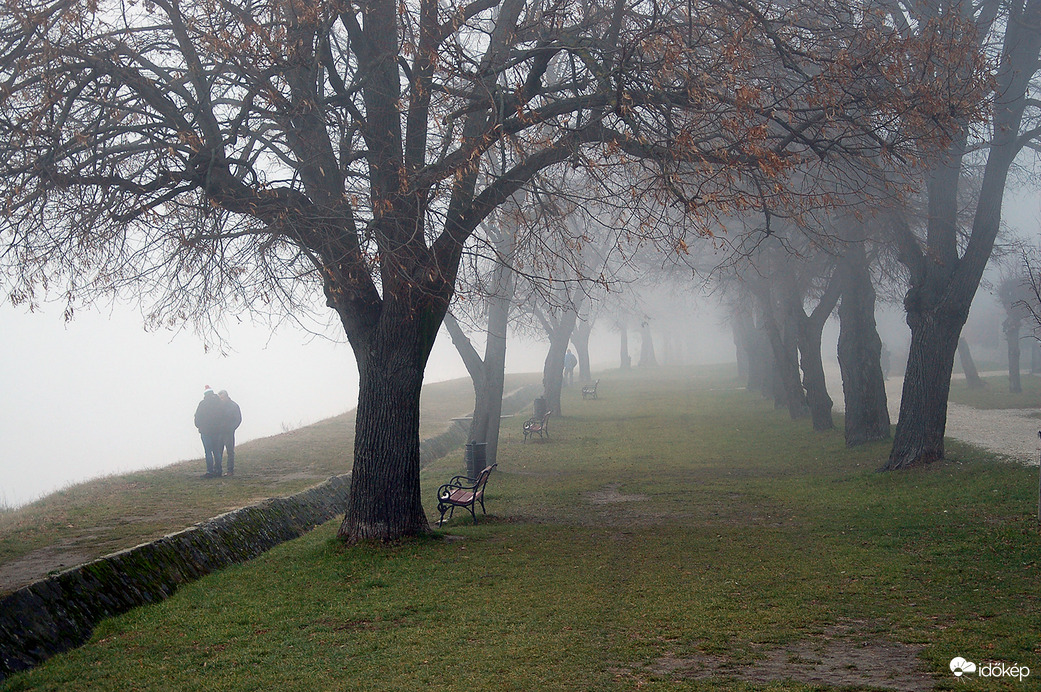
[[995, 394], [88, 520], [675, 534]]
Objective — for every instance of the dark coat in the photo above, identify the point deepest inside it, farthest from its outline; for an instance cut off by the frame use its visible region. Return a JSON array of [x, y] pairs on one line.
[[209, 415], [232, 417]]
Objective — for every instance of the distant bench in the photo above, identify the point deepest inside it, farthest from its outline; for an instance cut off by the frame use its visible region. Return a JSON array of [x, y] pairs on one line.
[[589, 391], [537, 426], [463, 491]]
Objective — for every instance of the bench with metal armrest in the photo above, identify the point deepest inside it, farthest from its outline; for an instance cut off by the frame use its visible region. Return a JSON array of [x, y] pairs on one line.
[[463, 491], [589, 390], [537, 426]]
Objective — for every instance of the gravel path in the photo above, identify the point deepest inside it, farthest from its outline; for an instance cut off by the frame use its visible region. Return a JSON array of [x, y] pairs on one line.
[[1009, 432]]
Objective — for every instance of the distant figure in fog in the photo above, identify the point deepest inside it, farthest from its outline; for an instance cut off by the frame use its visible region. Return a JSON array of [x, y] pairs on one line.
[[570, 361], [232, 420], [209, 419]]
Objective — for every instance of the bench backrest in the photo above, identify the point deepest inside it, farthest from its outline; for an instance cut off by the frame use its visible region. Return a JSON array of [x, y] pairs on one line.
[[482, 480]]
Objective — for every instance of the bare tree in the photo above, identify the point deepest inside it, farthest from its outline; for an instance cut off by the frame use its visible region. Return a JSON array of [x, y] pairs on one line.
[[224, 156], [945, 270]]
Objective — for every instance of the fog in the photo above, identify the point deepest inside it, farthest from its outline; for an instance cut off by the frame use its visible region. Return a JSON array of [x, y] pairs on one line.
[[100, 395]]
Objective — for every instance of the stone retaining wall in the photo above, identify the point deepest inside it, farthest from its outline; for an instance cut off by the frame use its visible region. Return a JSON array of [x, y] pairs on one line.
[[59, 613]]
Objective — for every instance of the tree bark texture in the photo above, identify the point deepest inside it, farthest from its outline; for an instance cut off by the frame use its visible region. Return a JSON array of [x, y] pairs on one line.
[[927, 384], [385, 493], [860, 353]]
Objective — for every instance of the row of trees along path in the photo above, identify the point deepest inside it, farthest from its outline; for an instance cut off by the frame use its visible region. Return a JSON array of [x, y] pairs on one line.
[[208, 158]]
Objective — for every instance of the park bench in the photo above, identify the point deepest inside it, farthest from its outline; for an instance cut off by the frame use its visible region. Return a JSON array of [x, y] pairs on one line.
[[537, 426], [463, 491], [589, 391]]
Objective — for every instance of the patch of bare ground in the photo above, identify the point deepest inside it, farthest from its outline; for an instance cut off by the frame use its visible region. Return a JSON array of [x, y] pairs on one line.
[[610, 495], [842, 657], [39, 563]]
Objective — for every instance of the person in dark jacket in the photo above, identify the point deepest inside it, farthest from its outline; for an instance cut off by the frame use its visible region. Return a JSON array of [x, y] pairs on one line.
[[232, 420], [209, 419], [570, 361]]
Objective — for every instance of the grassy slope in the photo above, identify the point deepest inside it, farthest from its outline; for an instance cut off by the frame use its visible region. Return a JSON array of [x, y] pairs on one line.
[[673, 526], [91, 519]]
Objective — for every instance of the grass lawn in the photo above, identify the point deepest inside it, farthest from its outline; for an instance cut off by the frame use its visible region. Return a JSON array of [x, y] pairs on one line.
[[91, 519], [995, 393], [676, 534]]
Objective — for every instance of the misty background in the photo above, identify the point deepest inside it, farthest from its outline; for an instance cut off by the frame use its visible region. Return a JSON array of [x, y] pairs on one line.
[[100, 395]]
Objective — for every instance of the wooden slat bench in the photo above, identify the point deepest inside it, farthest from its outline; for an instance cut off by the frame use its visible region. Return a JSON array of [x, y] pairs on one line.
[[463, 491], [537, 426], [589, 390]]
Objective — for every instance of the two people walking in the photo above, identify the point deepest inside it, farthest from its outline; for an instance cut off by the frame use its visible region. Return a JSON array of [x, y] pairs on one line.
[[217, 417]]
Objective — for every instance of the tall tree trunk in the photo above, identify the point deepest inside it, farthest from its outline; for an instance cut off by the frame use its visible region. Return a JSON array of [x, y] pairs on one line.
[[487, 375], [385, 501], [625, 360], [968, 365], [860, 353], [782, 339], [647, 357], [1015, 385], [927, 384], [580, 338], [786, 367]]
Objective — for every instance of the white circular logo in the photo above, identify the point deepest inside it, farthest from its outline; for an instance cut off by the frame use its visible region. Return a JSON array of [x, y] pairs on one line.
[[959, 666]]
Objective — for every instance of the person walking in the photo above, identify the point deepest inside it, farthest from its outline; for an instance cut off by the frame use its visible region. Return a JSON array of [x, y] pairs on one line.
[[231, 421], [570, 361], [209, 419]]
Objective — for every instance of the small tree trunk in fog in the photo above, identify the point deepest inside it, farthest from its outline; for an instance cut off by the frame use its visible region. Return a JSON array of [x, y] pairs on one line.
[[968, 365], [860, 353], [647, 357], [810, 331], [580, 338], [488, 375], [625, 360], [1011, 327], [782, 341], [763, 358], [788, 384], [744, 333], [559, 332]]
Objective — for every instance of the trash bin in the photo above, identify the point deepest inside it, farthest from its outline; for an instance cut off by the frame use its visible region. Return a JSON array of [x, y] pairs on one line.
[[540, 408], [476, 458]]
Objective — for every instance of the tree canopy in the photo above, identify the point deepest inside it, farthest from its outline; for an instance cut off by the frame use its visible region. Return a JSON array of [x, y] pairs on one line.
[[223, 153]]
